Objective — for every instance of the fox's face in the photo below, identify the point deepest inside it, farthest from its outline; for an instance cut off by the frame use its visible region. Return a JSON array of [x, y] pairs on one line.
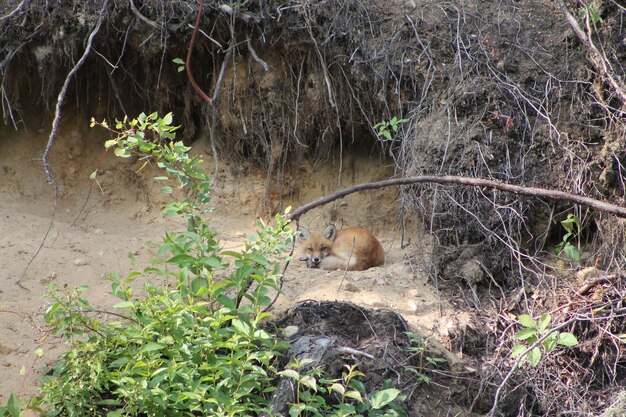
[[316, 246]]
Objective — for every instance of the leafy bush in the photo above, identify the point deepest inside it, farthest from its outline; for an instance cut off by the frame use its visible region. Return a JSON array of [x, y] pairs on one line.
[[191, 345], [191, 342]]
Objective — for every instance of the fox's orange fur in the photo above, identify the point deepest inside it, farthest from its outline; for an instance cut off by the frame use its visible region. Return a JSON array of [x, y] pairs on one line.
[[354, 249]]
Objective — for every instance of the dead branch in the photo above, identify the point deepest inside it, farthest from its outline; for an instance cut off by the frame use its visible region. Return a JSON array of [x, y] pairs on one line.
[[467, 181], [598, 60], [61, 97]]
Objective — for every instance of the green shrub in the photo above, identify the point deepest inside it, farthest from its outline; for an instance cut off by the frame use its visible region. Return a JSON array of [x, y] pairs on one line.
[[191, 343]]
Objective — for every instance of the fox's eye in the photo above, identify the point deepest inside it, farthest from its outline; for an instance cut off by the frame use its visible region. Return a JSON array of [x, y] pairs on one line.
[[310, 249], [323, 248]]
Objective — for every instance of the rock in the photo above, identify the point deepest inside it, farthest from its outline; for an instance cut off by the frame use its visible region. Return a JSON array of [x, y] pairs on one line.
[[81, 262], [588, 273], [289, 331]]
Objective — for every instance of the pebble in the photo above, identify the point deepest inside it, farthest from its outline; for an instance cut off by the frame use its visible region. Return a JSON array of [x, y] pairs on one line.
[[289, 331], [81, 262]]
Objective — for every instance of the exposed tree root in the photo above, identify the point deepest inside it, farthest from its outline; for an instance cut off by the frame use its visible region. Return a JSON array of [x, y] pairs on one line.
[[211, 101], [61, 97], [597, 58]]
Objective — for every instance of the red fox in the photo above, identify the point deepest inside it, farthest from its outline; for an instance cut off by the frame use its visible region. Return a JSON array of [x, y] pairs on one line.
[[354, 249]]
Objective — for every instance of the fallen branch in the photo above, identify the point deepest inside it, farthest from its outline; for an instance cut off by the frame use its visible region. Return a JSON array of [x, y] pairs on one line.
[[61, 97], [472, 182]]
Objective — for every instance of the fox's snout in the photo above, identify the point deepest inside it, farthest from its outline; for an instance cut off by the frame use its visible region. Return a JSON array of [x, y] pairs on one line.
[[314, 261]]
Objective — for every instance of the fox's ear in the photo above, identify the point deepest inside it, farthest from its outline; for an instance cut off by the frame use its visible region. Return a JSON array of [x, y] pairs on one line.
[[303, 234], [330, 232]]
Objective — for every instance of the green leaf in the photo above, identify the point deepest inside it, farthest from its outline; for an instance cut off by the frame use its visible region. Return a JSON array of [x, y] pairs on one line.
[[121, 152], [550, 343], [517, 350], [178, 61], [182, 260], [166, 189], [571, 252], [109, 143], [262, 260], [355, 395], [525, 334], [543, 322], [14, 407], [527, 321], [167, 119], [567, 339], [290, 373], [93, 175], [382, 398], [338, 388], [296, 410], [199, 283], [151, 347], [234, 254], [211, 261], [534, 356], [241, 326], [119, 362], [309, 381]]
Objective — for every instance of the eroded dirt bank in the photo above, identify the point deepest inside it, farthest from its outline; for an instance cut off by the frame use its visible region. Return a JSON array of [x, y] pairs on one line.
[[510, 91]]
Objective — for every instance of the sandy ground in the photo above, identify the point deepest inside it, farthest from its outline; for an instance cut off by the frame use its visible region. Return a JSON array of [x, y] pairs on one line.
[[123, 214]]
